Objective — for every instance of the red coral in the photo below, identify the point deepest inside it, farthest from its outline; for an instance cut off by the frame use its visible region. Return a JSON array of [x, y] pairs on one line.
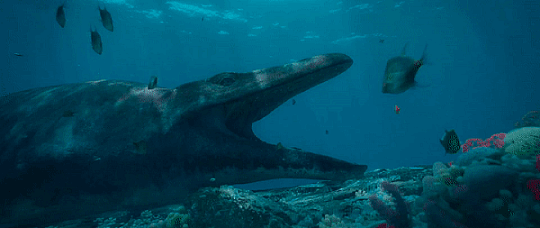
[[533, 186], [496, 140]]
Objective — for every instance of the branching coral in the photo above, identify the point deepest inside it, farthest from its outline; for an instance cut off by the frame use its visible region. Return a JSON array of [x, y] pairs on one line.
[[399, 217]]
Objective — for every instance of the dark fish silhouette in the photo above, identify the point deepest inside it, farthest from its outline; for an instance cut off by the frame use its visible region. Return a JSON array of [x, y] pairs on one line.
[[68, 113], [400, 72], [106, 18], [18, 54], [450, 142], [381, 41], [61, 16], [153, 82], [293, 101], [96, 41]]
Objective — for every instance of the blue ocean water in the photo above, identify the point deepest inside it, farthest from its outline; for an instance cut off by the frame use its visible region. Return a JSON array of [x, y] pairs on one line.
[[480, 77]]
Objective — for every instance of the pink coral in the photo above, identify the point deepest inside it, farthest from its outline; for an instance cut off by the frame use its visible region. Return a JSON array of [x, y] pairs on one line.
[[496, 140], [533, 186]]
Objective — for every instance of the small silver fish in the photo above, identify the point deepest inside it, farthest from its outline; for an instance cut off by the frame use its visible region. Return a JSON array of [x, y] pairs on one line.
[[97, 45], [61, 16], [400, 72], [106, 18], [450, 142], [153, 82]]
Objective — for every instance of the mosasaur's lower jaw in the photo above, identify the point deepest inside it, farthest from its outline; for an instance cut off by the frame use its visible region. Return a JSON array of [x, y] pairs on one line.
[[193, 134]]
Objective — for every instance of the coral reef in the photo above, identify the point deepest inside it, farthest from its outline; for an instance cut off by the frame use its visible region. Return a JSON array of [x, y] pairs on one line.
[[530, 119], [399, 217], [484, 188], [496, 141], [523, 141], [487, 187]]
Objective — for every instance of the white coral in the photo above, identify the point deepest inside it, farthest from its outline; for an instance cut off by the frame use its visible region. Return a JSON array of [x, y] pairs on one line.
[[523, 141]]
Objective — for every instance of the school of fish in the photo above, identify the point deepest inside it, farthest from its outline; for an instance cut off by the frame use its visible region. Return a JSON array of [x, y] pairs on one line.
[[95, 38]]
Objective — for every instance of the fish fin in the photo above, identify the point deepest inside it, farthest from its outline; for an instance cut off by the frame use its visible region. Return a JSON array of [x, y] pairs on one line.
[[404, 51], [418, 85], [64, 4], [424, 58]]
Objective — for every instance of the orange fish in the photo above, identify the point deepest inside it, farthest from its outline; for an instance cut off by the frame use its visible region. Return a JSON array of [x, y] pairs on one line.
[[397, 109]]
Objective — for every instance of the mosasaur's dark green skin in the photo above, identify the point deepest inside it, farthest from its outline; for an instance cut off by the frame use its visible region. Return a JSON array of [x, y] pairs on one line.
[[124, 145]]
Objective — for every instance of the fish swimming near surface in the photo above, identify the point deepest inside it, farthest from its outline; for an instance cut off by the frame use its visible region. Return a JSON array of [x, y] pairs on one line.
[[450, 142], [400, 72], [153, 82], [97, 45], [130, 147], [61, 16], [106, 18]]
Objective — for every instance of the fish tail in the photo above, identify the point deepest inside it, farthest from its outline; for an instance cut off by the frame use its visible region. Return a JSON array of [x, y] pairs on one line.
[[424, 55], [404, 51]]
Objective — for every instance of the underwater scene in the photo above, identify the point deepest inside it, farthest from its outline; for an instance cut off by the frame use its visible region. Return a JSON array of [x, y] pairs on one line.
[[270, 113]]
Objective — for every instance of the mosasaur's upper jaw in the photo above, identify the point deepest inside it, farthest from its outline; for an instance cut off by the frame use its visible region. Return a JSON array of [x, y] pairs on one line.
[[244, 98]]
